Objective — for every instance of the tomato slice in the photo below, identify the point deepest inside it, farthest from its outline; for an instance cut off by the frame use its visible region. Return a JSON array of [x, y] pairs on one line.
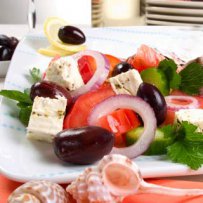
[[83, 106], [87, 67], [146, 57], [170, 118], [119, 122]]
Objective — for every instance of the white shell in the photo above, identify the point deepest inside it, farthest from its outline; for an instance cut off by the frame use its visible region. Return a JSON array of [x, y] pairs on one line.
[[95, 184], [39, 191], [115, 177]]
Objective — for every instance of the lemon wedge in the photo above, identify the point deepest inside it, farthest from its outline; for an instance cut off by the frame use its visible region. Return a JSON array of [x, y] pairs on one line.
[[54, 51], [51, 28]]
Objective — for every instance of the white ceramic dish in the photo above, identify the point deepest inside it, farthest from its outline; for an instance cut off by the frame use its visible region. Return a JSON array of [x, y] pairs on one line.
[[4, 68], [185, 19], [22, 159], [175, 11], [176, 3]]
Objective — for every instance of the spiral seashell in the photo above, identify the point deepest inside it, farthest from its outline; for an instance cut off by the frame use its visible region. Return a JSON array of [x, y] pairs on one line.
[[38, 192], [120, 175], [109, 182]]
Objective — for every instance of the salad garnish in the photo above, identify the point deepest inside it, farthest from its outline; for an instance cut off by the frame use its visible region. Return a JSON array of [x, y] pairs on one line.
[[187, 144], [24, 103], [35, 74], [191, 78]]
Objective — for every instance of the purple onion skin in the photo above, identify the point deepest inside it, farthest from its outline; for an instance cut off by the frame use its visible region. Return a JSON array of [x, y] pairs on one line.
[[51, 90], [83, 145], [155, 99]]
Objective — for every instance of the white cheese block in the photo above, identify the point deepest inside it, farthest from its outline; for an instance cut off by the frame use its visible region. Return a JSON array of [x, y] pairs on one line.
[[126, 83], [194, 116], [46, 118], [64, 71]]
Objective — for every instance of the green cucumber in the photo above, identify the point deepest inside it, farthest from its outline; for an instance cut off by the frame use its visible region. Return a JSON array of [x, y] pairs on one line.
[[156, 77], [157, 147]]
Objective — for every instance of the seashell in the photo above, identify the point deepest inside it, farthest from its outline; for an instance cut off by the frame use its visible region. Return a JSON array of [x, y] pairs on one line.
[[39, 191], [89, 188], [115, 177]]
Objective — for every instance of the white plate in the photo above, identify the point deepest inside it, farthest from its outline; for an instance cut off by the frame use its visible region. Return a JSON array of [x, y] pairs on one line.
[[175, 18], [176, 3], [4, 67], [22, 159], [179, 11]]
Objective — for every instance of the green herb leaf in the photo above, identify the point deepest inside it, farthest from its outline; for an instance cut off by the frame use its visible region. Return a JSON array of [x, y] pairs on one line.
[[35, 74], [191, 78], [24, 114], [16, 95], [27, 91], [187, 147], [169, 67], [185, 152], [169, 131]]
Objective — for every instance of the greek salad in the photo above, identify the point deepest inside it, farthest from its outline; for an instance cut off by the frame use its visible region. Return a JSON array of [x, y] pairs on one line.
[[91, 104]]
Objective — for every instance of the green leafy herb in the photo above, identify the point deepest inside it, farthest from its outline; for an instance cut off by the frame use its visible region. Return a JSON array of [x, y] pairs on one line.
[[35, 74], [192, 78], [24, 103], [187, 147], [24, 114], [16, 95], [27, 91], [169, 67]]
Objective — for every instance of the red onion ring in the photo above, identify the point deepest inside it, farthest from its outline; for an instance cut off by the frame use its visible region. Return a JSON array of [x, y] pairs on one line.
[[172, 106], [99, 76], [139, 106]]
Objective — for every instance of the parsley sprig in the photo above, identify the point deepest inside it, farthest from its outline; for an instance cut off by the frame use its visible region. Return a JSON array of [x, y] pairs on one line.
[[187, 145], [24, 103], [189, 80]]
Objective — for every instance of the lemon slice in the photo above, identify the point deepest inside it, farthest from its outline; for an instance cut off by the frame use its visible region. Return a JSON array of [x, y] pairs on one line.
[[54, 51], [51, 28]]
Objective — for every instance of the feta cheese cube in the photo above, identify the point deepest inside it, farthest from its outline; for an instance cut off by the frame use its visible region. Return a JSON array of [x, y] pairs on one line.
[[64, 71], [194, 116], [46, 118], [126, 83]]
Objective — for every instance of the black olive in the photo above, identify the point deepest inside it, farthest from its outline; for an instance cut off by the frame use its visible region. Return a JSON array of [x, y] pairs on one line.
[[71, 35]]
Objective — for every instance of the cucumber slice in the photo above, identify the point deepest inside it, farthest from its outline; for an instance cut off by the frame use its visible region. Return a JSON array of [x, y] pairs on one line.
[[157, 147], [156, 77]]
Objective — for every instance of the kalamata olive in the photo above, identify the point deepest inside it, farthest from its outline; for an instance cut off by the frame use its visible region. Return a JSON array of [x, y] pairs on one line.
[[49, 89], [83, 145], [71, 35], [13, 42], [5, 53], [4, 40], [121, 68], [153, 96]]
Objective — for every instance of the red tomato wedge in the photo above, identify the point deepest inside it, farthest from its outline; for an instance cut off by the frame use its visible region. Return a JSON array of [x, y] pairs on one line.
[[83, 106], [119, 122], [87, 66], [170, 118], [146, 57]]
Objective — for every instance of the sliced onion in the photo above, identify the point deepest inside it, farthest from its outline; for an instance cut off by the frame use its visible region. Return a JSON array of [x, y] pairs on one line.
[[139, 106], [193, 102], [99, 76]]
